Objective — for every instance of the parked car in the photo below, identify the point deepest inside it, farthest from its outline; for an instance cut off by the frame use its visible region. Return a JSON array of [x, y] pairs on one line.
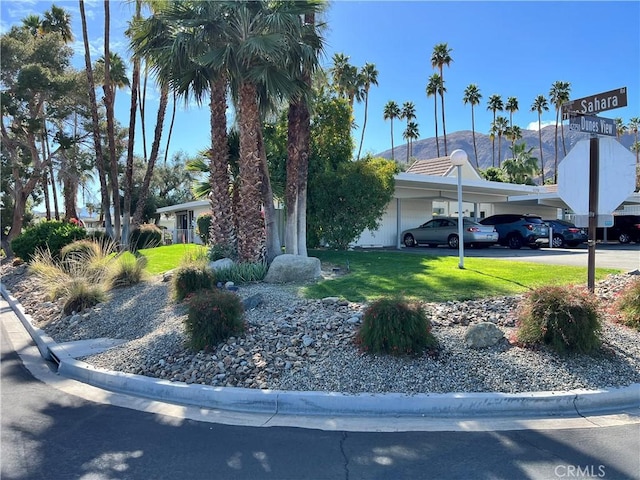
[[625, 229], [516, 230], [566, 233], [444, 231]]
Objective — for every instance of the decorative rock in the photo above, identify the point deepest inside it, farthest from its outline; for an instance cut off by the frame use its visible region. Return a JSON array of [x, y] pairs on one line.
[[252, 302], [293, 268], [330, 300], [221, 264], [482, 335]]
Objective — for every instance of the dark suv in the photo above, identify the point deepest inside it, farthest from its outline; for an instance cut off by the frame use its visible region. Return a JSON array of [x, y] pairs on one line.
[[566, 233], [625, 229], [518, 230]]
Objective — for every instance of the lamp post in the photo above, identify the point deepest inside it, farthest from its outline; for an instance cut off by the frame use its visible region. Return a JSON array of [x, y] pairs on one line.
[[458, 158]]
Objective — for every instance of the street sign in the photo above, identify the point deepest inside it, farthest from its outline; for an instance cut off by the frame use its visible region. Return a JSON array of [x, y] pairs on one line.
[[590, 124], [595, 103], [616, 172]]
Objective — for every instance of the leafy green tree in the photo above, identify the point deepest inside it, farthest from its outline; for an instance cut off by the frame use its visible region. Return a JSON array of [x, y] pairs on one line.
[[473, 96], [494, 104], [391, 112], [440, 57], [558, 94], [493, 174], [522, 167], [350, 199], [34, 72], [540, 104]]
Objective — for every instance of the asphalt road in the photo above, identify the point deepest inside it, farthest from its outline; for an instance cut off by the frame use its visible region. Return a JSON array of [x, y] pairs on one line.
[[624, 257], [47, 433]]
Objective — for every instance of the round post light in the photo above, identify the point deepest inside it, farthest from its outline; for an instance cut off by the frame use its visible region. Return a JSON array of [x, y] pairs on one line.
[[458, 158]]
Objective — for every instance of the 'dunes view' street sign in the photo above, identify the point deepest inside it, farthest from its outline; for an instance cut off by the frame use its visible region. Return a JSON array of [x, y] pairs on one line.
[[593, 104], [591, 124]]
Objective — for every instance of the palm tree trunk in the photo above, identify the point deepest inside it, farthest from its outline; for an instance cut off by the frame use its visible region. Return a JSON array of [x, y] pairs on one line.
[[564, 146], [555, 162], [97, 143], [540, 141], [364, 123], [392, 155], [444, 128], [473, 133], [435, 114], [222, 225], [250, 224], [293, 174], [155, 147], [45, 189], [273, 245]]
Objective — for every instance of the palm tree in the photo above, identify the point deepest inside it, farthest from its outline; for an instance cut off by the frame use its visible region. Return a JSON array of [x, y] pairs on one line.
[[621, 128], [368, 77], [511, 107], [501, 125], [408, 113], [346, 80], [473, 96], [433, 88], [439, 58], [522, 167], [58, 20], [32, 23], [540, 105], [634, 123], [410, 134], [391, 111], [558, 94], [513, 133], [494, 104], [97, 142]]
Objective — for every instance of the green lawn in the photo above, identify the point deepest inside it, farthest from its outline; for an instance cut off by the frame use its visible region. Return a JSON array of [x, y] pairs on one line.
[[372, 274], [163, 259], [436, 279]]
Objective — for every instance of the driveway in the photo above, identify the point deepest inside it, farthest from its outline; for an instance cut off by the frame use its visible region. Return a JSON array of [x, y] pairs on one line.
[[611, 255]]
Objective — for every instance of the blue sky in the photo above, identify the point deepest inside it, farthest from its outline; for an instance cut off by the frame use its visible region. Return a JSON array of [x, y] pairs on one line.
[[508, 48]]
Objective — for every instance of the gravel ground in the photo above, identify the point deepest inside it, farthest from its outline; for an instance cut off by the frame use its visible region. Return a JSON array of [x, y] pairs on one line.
[[292, 343]]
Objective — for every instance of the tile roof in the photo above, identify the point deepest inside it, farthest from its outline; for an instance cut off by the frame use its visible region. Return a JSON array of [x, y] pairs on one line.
[[440, 166]]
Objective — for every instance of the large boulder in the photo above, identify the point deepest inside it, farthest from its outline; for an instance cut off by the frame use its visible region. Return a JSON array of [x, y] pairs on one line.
[[293, 268], [221, 264], [482, 335]]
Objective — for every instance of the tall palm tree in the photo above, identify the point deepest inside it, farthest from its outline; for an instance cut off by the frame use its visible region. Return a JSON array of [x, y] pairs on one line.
[[346, 80], [621, 128], [501, 125], [408, 113], [32, 23], [494, 104], [473, 96], [368, 76], [558, 94], [511, 106], [634, 123], [513, 133], [440, 57], [410, 134], [58, 20], [433, 88], [97, 142], [540, 105], [391, 112]]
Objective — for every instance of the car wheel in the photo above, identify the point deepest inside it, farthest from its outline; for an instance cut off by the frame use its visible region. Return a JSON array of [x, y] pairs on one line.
[[409, 241], [558, 241], [624, 238], [514, 241], [453, 242]]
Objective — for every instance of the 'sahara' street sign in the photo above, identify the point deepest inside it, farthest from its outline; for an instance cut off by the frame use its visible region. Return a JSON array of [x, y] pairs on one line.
[[590, 124], [595, 103]]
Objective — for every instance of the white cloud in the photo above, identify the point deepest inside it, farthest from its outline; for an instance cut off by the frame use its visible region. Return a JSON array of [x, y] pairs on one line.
[[543, 123]]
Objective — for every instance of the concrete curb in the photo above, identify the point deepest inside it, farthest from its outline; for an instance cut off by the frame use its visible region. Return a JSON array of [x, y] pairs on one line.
[[554, 403]]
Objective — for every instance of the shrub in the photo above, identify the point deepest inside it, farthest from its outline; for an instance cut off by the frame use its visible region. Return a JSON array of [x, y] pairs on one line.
[[146, 235], [80, 294], [52, 235], [213, 316], [203, 222], [564, 318], [242, 272], [391, 325], [80, 249], [126, 270], [220, 250], [191, 277], [628, 305]]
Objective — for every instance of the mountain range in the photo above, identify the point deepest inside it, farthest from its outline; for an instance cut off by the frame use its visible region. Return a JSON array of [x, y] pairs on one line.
[[426, 148]]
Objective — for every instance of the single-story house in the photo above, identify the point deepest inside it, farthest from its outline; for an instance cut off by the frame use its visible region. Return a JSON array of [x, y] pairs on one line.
[[428, 188]]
